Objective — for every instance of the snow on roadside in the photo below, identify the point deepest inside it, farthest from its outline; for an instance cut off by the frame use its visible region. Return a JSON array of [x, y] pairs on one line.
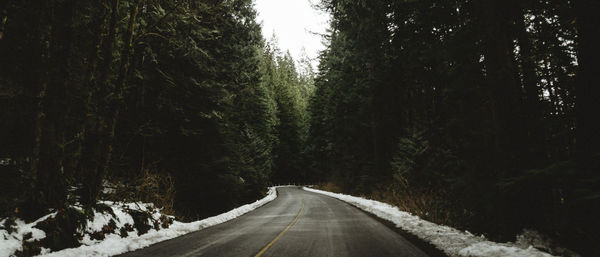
[[450, 240], [113, 244], [12, 242]]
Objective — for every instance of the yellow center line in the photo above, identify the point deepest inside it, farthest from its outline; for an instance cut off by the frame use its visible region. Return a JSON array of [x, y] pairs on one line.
[[281, 233]]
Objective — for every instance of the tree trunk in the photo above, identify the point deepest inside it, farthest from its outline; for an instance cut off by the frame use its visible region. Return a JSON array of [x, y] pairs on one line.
[[587, 102], [95, 139], [504, 90], [50, 179], [119, 88], [92, 61], [532, 105]]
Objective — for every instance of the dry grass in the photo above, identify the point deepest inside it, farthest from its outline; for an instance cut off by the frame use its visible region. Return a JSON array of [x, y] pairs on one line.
[[431, 205], [329, 186], [148, 187], [156, 188], [428, 204]]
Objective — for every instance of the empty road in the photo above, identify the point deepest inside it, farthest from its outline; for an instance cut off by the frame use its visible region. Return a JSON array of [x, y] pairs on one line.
[[296, 223]]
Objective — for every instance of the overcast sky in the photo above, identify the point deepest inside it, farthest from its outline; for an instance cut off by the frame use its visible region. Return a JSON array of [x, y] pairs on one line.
[[293, 21]]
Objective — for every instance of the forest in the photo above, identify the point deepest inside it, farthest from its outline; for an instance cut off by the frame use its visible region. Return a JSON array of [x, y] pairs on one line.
[[182, 102], [481, 115]]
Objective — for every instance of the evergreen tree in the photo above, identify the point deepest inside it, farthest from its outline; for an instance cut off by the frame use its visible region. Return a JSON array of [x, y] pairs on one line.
[[122, 88], [470, 105]]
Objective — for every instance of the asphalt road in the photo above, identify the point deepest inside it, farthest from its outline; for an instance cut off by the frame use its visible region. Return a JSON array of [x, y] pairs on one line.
[[296, 223]]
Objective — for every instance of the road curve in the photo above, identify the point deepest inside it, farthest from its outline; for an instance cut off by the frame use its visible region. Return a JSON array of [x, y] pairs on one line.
[[296, 223]]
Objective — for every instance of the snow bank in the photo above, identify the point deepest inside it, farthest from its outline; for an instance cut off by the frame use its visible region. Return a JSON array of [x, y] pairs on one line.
[[450, 240], [12, 242], [114, 244]]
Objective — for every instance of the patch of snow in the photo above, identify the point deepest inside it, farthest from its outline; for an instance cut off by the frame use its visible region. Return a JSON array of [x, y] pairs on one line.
[[113, 244], [12, 242], [108, 187], [45, 250], [121, 216], [5, 161], [450, 240], [9, 244], [99, 220], [491, 249], [86, 240], [533, 238]]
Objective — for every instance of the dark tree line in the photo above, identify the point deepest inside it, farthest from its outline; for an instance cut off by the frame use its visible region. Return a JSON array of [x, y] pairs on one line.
[[97, 91], [478, 114]]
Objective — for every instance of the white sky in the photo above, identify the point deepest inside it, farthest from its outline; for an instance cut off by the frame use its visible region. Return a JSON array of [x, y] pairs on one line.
[[292, 21]]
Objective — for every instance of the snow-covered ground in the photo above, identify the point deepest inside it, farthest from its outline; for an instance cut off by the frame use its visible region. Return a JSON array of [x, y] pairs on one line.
[[12, 242], [450, 240], [113, 244]]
